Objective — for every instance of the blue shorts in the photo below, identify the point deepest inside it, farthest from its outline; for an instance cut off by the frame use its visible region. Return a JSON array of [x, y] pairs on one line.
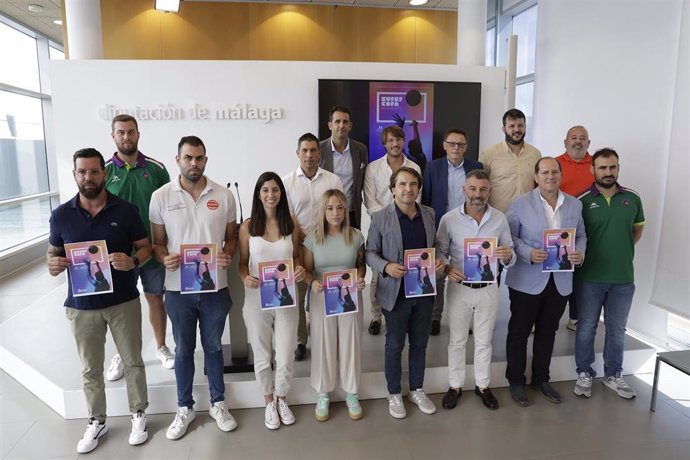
[[152, 278]]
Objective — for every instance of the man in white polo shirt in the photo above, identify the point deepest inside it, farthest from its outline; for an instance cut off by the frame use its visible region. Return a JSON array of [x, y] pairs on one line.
[[305, 187], [192, 209]]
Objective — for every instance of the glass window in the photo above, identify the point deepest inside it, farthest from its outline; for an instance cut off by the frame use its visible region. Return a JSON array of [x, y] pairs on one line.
[[23, 222], [524, 99], [20, 60], [490, 47], [56, 54], [525, 27]]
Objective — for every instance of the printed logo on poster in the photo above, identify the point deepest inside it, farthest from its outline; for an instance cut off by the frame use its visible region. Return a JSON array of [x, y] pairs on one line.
[[390, 103], [277, 284], [89, 268], [198, 268], [340, 292]]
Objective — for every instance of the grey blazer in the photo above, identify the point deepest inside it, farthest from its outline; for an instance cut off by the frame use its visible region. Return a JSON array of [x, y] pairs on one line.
[[527, 220], [385, 245], [360, 159]]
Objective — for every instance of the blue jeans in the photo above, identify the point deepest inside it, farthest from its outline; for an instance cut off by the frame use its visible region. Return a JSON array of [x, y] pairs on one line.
[[210, 310], [409, 317], [616, 300]]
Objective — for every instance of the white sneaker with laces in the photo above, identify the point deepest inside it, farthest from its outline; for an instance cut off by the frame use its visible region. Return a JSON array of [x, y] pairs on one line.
[[116, 369], [89, 441], [396, 407], [286, 415], [583, 386], [617, 384], [139, 434], [271, 417], [178, 427], [422, 401], [222, 416], [166, 357]]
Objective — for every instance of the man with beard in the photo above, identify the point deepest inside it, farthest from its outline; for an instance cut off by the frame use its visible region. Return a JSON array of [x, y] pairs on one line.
[[95, 214], [510, 163], [576, 165], [192, 209], [472, 219], [134, 177], [614, 221], [347, 158], [304, 187]]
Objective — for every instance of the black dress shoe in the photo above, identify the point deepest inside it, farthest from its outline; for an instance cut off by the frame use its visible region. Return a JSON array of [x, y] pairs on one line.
[[488, 398], [517, 392], [374, 327], [300, 351], [549, 392], [450, 400], [435, 326]]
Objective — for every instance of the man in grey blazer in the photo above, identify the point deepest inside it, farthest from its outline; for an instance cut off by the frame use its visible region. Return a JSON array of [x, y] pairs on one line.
[[347, 158], [538, 299], [402, 225]]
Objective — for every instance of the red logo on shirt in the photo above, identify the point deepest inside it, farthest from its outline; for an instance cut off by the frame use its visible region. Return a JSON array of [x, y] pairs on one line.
[[212, 204]]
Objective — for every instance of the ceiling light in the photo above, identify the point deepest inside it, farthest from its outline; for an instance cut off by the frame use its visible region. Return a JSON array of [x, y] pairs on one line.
[[57, 21], [35, 8], [170, 6], [418, 2]]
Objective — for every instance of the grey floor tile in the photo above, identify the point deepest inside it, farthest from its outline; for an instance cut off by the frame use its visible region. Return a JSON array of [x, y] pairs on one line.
[[9, 385], [233, 448], [51, 439], [679, 450], [10, 434], [681, 406], [343, 445], [21, 406]]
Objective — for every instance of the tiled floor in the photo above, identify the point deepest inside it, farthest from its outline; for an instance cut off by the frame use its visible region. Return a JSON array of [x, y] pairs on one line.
[[603, 427]]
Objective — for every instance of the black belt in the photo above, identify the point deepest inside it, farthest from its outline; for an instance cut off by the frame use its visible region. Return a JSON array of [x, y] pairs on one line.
[[475, 285]]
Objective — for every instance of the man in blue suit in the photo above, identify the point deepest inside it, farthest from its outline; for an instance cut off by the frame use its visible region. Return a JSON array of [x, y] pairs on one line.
[[538, 299], [442, 190]]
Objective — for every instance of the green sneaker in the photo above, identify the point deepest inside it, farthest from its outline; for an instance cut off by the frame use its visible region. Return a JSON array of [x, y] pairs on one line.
[[322, 404], [353, 407]]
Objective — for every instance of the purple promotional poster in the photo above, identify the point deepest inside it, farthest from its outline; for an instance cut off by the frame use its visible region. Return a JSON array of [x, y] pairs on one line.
[[340, 292], [420, 278], [408, 105], [277, 278], [480, 263], [558, 243], [198, 268], [89, 268]]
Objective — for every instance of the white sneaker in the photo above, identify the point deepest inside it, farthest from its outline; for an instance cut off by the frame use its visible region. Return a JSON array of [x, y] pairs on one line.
[[572, 324], [583, 386], [94, 430], [116, 369], [225, 420], [396, 407], [286, 415], [422, 401], [271, 417], [617, 384], [166, 357], [139, 434], [179, 426]]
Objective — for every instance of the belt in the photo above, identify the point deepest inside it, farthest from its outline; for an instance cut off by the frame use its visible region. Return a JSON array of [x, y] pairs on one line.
[[476, 285]]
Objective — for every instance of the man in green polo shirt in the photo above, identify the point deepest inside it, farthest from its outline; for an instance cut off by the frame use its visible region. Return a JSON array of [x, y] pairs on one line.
[[134, 177], [613, 221]]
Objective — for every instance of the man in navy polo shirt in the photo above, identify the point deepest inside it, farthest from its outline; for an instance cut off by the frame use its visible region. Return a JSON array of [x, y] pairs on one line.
[[93, 215]]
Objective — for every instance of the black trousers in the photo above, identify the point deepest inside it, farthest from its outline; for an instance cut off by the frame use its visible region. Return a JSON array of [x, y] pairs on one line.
[[543, 311]]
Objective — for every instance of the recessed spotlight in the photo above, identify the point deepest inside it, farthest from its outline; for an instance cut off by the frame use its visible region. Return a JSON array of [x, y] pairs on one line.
[[418, 2], [169, 6], [57, 21], [35, 8]]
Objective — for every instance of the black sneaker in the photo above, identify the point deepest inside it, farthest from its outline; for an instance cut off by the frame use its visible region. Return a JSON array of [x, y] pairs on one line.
[[519, 395], [450, 400], [548, 391], [374, 327], [488, 398]]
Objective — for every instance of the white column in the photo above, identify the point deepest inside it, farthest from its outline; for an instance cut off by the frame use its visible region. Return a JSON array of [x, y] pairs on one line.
[[84, 34], [471, 32]]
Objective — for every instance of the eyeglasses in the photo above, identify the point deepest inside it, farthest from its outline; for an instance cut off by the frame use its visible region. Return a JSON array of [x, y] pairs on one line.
[[460, 145]]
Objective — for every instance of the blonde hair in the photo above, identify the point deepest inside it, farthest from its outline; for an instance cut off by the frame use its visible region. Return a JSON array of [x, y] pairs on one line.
[[321, 225]]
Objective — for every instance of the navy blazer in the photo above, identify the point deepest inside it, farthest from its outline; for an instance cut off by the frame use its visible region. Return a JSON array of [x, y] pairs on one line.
[[435, 185], [360, 158], [385, 245], [527, 220]]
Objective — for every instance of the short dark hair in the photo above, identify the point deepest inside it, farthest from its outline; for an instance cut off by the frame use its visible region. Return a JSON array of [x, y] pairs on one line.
[[307, 137], [88, 152], [123, 118], [536, 165], [454, 131], [191, 140], [478, 174], [339, 108], [393, 130], [514, 114], [408, 170], [606, 152]]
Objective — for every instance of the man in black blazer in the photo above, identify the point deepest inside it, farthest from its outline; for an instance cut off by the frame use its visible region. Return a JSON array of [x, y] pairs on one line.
[[346, 158], [444, 179]]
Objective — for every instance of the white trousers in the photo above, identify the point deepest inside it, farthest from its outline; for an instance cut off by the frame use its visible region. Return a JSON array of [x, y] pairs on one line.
[[461, 303], [262, 327], [336, 347]]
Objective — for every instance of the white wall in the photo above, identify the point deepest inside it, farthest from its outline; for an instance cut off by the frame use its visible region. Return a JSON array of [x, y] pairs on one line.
[[611, 66]]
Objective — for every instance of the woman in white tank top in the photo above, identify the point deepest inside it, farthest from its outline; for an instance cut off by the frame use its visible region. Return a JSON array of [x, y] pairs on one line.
[[270, 234]]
